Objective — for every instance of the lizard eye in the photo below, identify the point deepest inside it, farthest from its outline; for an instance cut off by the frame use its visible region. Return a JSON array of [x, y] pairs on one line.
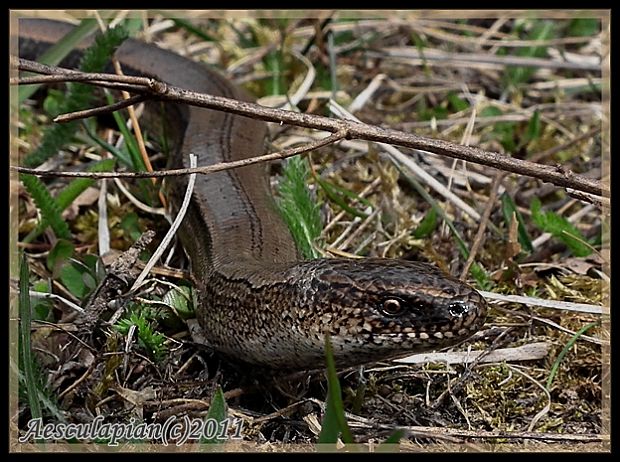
[[392, 306]]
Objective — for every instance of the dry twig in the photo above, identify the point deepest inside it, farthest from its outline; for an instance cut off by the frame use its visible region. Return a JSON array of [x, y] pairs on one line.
[[159, 90]]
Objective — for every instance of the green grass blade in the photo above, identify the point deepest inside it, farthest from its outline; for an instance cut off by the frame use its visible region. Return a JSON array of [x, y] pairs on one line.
[[25, 350], [334, 421], [218, 412], [137, 163], [274, 64], [55, 54], [533, 130], [395, 437], [334, 193], [76, 187], [95, 140], [565, 350], [427, 225], [330, 429], [189, 27]]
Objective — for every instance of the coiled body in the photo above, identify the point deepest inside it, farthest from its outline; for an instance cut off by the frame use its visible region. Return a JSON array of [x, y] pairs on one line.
[[257, 301]]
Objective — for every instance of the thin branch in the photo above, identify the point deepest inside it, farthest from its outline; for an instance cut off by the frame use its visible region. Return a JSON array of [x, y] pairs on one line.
[[553, 174], [186, 171], [71, 75], [54, 74], [68, 329], [78, 78], [136, 99], [598, 201], [483, 225]]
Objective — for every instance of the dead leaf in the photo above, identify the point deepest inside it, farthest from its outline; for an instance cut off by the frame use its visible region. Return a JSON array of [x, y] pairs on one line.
[[88, 197]]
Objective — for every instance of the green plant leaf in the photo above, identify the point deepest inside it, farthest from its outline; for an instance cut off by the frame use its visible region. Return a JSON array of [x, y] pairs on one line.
[[41, 307], [459, 104], [189, 27], [143, 317], [427, 225], [395, 437], [392, 442], [481, 276], [334, 193], [70, 192], [584, 27], [334, 421], [130, 224], [508, 209], [93, 139], [533, 129], [560, 228], [180, 299], [52, 103], [58, 256], [298, 208], [46, 204], [218, 412], [72, 277]]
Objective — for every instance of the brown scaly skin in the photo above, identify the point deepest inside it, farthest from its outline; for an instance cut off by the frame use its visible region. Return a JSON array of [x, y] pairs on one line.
[[345, 298], [257, 302]]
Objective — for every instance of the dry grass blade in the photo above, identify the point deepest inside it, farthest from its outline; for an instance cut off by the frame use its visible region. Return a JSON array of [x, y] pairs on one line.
[[530, 352]]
